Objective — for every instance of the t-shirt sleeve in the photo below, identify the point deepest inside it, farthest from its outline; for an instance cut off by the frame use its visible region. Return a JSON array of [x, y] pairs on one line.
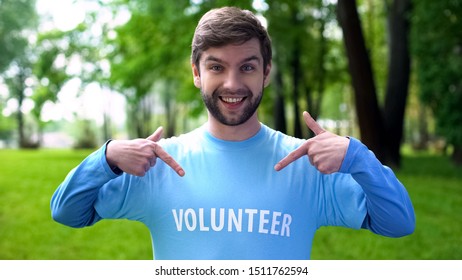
[[72, 202], [389, 208], [341, 202], [123, 198]]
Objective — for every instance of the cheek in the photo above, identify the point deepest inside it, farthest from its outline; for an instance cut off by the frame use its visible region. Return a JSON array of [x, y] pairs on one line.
[[207, 83], [258, 86]]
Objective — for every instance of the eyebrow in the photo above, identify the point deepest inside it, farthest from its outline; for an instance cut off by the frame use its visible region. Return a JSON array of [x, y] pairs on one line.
[[216, 59]]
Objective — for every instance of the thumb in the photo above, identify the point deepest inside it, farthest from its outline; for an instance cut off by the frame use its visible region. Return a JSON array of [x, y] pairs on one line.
[[312, 124], [157, 135]]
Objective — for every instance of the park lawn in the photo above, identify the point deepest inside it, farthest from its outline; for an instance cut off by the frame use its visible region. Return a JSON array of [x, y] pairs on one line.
[[29, 178], [435, 188], [27, 182]]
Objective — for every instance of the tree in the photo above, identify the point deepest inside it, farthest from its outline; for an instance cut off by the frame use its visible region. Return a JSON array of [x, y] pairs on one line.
[[50, 76], [152, 53], [79, 54], [399, 68], [301, 50], [362, 77], [7, 125], [437, 47], [18, 18], [19, 72], [380, 130], [15, 18]]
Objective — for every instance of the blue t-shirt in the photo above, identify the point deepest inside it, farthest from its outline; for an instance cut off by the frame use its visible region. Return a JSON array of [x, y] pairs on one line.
[[231, 204]]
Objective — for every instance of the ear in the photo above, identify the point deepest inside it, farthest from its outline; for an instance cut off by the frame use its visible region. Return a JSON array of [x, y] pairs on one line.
[[266, 77], [196, 75]]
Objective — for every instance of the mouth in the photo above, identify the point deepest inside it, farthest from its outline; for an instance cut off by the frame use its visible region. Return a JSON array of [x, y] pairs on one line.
[[232, 100]]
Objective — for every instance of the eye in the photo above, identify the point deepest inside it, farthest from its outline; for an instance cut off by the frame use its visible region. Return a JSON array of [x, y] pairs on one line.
[[247, 68], [216, 68]]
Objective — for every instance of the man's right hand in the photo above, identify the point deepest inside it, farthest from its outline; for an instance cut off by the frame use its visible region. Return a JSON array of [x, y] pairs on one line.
[[137, 156]]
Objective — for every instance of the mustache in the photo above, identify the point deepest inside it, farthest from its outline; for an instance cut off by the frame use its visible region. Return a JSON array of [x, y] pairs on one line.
[[221, 91]]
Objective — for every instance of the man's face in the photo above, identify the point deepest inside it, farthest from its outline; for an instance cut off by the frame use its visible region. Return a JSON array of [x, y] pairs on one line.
[[231, 81]]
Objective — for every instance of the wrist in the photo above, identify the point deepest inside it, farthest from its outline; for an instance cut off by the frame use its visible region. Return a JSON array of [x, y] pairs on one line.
[[112, 164]]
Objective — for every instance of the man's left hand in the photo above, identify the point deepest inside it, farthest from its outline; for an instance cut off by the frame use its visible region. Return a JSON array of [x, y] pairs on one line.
[[325, 150]]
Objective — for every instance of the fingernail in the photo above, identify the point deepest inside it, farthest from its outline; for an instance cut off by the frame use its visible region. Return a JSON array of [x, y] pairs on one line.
[[277, 167]]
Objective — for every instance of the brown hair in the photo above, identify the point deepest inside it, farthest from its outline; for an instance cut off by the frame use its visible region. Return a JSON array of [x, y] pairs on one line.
[[229, 25]]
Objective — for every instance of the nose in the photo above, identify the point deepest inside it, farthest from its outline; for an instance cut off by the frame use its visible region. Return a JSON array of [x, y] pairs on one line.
[[233, 81]]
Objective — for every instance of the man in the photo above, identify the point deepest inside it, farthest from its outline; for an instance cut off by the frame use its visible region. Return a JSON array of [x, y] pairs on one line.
[[234, 188]]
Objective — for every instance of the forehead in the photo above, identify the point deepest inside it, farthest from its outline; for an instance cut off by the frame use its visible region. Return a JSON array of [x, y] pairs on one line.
[[232, 53]]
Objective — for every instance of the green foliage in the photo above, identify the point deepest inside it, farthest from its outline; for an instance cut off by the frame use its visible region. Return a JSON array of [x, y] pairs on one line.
[[151, 51], [437, 47], [7, 125], [308, 55], [149, 58], [15, 18]]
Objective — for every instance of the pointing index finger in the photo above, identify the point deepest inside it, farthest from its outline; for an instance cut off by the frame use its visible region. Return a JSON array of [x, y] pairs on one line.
[[169, 160], [312, 124], [293, 156]]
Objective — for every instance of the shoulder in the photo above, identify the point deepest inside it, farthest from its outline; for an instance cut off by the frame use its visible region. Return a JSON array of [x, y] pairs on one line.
[[184, 141], [282, 140]]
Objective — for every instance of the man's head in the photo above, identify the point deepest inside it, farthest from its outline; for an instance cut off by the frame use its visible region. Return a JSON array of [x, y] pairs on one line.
[[231, 62], [229, 25]]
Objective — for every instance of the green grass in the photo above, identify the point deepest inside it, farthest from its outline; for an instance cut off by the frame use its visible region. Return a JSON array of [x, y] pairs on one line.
[[27, 182], [29, 178], [435, 187]]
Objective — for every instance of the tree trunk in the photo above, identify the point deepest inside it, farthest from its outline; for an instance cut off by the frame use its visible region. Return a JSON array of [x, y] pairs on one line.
[[457, 155], [423, 136], [321, 69], [19, 87], [296, 72], [107, 131], [398, 79], [367, 109], [279, 106], [170, 112]]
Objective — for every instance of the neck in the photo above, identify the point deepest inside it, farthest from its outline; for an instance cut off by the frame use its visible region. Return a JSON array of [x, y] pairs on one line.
[[234, 133]]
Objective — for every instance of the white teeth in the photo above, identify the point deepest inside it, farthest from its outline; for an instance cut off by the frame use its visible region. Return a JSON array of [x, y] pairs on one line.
[[232, 99]]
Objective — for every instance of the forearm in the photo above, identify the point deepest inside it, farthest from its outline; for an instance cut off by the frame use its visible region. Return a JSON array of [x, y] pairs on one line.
[[72, 203], [389, 208]]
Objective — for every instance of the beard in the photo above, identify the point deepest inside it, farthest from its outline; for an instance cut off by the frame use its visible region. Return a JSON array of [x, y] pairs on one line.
[[212, 102]]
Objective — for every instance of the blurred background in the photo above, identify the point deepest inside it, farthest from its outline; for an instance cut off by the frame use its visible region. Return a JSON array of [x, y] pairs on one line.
[[74, 73]]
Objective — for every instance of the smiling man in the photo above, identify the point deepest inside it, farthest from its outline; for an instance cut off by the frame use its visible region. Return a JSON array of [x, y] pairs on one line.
[[231, 80], [235, 188]]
